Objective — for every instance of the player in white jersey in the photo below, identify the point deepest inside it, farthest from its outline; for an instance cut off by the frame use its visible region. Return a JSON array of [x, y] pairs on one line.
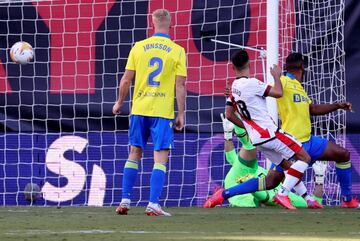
[[248, 97], [276, 174]]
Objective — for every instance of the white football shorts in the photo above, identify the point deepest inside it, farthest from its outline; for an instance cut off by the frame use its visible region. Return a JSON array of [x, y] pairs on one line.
[[283, 146]]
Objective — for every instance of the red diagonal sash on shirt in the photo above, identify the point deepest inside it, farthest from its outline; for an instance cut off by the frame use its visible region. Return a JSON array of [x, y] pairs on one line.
[[264, 133]]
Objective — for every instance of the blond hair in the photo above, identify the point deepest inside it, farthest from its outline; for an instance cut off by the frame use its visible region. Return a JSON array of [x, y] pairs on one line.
[[161, 18]]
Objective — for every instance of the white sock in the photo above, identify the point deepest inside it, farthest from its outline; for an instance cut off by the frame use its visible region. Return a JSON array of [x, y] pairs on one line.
[[300, 189], [292, 177], [125, 200], [283, 191]]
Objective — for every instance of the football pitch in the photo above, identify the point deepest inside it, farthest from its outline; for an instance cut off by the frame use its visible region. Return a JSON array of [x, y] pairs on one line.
[[90, 223]]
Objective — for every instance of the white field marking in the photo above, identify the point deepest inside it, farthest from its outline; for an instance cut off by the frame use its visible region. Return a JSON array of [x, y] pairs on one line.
[[47, 231], [160, 232], [283, 236], [93, 231], [14, 211], [26, 210], [57, 211]]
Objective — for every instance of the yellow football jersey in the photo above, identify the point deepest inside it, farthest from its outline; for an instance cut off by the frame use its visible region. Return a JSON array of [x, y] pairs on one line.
[[156, 61], [293, 109]]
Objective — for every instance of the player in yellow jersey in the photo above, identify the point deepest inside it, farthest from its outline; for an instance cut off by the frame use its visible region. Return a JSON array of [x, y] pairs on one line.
[[159, 68], [295, 109]]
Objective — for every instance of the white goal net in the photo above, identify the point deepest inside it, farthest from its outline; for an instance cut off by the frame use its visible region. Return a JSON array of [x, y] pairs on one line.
[[57, 129]]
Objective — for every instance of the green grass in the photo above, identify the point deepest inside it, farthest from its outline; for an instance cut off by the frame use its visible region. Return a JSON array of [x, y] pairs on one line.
[[89, 223]]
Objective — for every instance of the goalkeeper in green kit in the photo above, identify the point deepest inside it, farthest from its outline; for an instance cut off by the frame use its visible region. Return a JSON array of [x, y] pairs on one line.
[[245, 166]]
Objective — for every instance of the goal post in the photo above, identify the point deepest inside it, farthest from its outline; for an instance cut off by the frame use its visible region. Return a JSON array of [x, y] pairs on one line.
[[56, 126], [272, 53]]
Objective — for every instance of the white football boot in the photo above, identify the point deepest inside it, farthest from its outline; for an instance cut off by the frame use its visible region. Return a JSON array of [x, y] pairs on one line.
[[154, 209]]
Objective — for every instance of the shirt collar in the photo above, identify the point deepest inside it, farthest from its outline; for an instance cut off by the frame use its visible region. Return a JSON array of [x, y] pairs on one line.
[[290, 75], [161, 35], [240, 77]]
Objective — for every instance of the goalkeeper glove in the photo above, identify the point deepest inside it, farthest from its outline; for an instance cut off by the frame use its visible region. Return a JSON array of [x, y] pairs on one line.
[[228, 127], [319, 168]]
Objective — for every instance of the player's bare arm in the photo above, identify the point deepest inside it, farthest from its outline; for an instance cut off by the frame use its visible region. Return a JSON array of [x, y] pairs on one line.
[[227, 91], [276, 91], [180, 99], [230, 111], [123, 90], [324, 109], [230, 115]]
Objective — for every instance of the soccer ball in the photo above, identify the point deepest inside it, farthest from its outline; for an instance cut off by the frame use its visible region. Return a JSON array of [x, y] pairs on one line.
[[21, 52], [32, 192]]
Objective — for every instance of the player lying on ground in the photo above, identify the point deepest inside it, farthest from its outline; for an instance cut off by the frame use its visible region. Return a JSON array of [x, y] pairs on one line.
[[159, 66], [248, 97], [295, 108], [244, 166]]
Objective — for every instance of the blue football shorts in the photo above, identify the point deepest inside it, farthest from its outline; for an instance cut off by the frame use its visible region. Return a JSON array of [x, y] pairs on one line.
[[315, 146], [160, 129]]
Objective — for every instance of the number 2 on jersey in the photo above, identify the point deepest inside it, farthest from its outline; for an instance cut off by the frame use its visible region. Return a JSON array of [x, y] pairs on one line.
[[159, 63]]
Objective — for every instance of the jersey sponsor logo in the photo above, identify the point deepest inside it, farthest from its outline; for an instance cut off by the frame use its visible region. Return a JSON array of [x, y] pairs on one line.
[[244, 178], [300, 98], [151, 94]]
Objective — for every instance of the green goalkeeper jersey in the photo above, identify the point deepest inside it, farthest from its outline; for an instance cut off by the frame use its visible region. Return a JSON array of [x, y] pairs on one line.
[[240, 172]]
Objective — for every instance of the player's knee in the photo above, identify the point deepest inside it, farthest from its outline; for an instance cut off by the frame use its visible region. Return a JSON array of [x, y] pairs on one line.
[[307, 157], [344, 155], [135, 153], [272, 182], [270, 185], [303, 156]]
